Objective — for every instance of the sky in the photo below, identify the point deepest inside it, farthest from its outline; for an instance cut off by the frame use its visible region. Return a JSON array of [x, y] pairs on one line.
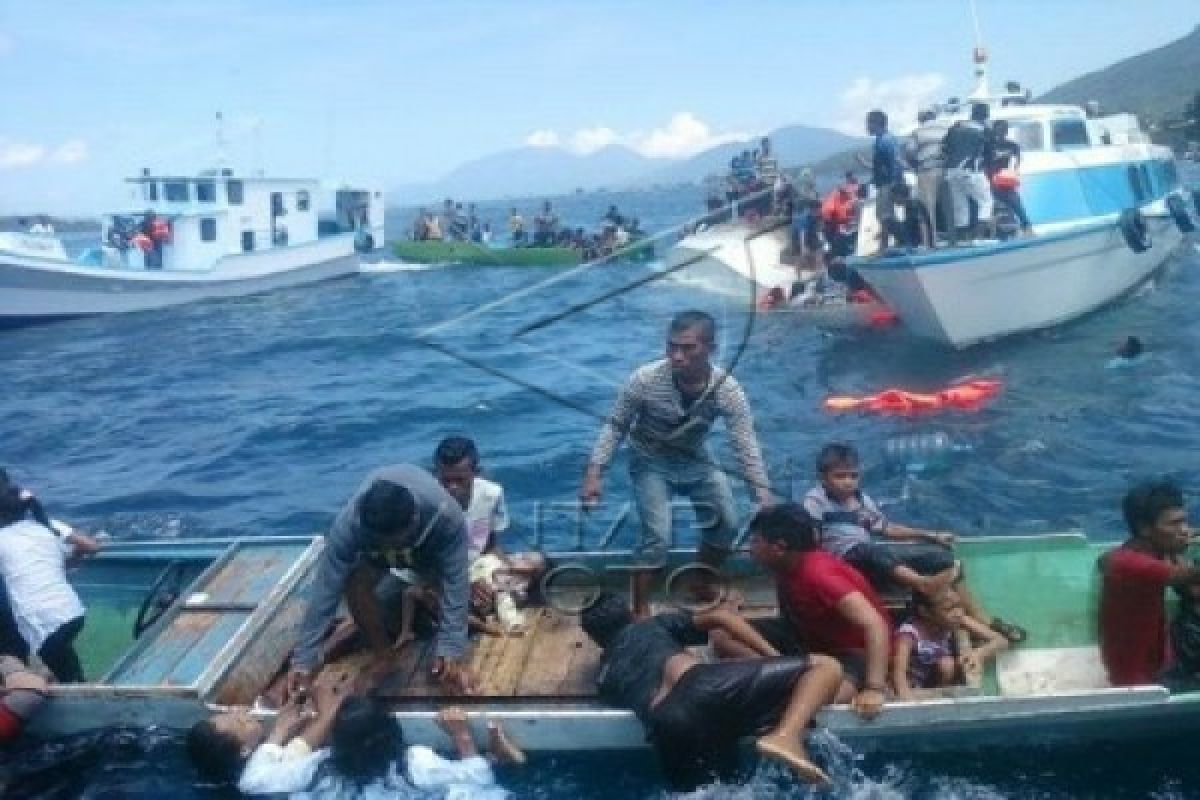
[[387, 93]]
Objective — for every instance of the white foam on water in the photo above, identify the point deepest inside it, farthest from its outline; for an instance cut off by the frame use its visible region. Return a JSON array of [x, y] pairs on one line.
[[386, 267]]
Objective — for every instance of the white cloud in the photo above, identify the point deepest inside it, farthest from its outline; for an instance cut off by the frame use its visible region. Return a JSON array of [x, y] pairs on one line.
[[900, 97], [71, 152], [542, 138], [14, 155], [589, 140], [684, 135]]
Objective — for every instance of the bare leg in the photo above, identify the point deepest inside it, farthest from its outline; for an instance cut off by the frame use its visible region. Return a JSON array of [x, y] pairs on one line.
[[503, 749], [453, 720], [925, 584], [947, 671], [727, 647], [971, 604], [786, 743]]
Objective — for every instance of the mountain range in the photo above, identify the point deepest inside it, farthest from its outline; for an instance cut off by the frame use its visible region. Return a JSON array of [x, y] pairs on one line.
[[527, 171]]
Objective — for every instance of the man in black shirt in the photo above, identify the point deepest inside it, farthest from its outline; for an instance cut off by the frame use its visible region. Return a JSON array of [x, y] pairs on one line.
[[1003, 164], [693, 712]]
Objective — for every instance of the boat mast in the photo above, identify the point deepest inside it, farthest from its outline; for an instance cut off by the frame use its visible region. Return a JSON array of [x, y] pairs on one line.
[[222, 150], [981, 92]]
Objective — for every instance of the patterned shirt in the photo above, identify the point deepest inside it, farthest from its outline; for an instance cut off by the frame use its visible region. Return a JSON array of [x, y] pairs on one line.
[[650, 409], [844, 525]]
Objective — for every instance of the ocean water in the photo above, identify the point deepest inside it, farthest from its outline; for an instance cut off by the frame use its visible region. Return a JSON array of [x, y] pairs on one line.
[[259, 415]]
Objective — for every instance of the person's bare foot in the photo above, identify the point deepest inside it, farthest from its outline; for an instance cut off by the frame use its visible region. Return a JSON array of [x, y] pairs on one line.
[[503, 749], [792, 754]]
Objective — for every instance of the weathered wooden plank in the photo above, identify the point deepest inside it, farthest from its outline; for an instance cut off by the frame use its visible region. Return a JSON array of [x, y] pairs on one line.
[[561, 648], [500, 674], [156, 661], [205, 648]]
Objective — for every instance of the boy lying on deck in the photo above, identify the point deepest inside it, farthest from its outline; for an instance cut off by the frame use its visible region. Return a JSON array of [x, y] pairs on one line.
[[695, 713], [306, 749], [849, 519]]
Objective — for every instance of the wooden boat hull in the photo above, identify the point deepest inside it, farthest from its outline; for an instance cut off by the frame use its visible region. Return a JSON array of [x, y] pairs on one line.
[[1047, 690]]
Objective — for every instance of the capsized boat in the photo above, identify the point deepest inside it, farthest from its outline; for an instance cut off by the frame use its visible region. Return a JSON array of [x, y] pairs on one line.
[[191, 238], [1106, 207], [474, 254], [233, 607]]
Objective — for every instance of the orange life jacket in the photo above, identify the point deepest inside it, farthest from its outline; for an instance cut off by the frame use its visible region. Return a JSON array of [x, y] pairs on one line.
[[143, 242], [968, 396], [160, 230]]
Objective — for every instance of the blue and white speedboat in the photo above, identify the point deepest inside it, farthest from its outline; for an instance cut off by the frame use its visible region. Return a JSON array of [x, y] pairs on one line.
[[1106, 206]]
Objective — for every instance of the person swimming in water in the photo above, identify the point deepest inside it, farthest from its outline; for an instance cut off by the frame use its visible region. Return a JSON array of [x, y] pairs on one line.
[[1130, 352]]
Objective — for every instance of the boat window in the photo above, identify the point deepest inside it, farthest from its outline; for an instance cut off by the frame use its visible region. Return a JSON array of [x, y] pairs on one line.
[[302, 200], [1137, 185], [208, 229], [153, 191], [247, 241], [176, 191], [1070, 134], [233, 191], [1028, 134], [206, 192]]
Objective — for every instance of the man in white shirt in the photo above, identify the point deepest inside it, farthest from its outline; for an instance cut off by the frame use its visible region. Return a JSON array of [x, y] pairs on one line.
[[44, 608]]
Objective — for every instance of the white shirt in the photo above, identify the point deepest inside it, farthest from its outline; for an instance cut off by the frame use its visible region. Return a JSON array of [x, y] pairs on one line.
[[33, 567], [487, 514], [272, 769]]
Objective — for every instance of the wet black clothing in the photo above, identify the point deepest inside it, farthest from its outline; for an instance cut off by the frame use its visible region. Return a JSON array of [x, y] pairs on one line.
[[632, 668], [964, 145]]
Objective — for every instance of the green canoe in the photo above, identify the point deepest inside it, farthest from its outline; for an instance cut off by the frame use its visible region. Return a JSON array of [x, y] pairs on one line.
[[442, 252], [238, 605]]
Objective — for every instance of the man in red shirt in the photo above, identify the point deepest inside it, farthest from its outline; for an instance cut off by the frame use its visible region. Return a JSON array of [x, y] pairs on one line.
[[825, 605], [1133, 619]]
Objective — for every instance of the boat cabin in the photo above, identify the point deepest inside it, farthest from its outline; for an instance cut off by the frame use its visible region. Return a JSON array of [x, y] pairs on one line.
[[188, 223]]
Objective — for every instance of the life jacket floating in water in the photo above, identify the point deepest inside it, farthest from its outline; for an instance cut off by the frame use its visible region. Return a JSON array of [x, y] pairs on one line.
[[968, 396]]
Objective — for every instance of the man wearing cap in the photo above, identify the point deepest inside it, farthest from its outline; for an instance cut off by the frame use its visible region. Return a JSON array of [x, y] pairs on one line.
[[399, 517]]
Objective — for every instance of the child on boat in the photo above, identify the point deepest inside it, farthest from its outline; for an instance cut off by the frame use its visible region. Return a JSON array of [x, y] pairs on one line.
[[917, 559], [925, 649], [234, 748]]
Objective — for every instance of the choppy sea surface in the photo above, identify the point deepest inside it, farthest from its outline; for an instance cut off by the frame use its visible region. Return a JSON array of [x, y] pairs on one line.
[[259, 415]]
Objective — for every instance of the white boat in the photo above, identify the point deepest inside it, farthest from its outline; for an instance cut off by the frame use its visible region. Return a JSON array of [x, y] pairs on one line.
[[1105, 203], [215, 234]]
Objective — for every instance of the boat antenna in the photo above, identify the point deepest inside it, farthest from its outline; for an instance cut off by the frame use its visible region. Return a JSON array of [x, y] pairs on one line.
[[980, 57], [256, 129], [222, 150]]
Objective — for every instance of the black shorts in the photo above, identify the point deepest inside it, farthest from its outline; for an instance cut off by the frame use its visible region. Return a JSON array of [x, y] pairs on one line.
[[878, 560], [779, 635], [696, 727]]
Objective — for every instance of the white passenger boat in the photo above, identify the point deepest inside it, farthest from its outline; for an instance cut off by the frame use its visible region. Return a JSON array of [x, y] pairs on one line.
[[216, 234], [1106, 206]]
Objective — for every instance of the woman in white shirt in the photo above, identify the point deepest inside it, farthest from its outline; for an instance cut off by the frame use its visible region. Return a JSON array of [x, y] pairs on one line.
[[44, 608]]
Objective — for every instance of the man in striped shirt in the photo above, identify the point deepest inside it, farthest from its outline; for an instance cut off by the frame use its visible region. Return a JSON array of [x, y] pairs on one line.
[[668, 408]]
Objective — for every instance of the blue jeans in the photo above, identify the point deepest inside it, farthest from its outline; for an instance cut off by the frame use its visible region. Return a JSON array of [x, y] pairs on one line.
[[656, 482]]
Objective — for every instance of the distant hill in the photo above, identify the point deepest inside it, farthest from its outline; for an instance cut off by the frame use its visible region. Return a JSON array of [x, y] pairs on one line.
[[1155, 84], [526, 171], [794, 145], [530, 170]]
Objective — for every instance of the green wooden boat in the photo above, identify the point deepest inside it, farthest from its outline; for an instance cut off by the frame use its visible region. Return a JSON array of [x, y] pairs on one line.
[[226, 636], [470, 253]]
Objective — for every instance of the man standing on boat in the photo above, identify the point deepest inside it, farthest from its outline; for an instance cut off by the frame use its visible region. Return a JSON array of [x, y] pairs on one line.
[[964, 149], [668, 408], [399, 517]]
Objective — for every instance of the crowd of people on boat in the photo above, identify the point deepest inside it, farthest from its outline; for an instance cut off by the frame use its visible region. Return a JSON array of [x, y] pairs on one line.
[[545, 229], [963, 172], [870, 610]]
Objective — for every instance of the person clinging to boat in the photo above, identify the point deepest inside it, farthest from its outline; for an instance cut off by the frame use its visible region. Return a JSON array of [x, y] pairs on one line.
[[22, 694], [339, 736], [40, 612], [400, 517], [925, 648], [1134, 579], [825, 606], [667, 408], [694, 713], [849, 523]]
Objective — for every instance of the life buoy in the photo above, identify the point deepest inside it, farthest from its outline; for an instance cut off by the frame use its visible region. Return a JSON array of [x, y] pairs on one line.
[[1133, 228], [364, 242], [1006, 179], [1180, 213], [968, 396]]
